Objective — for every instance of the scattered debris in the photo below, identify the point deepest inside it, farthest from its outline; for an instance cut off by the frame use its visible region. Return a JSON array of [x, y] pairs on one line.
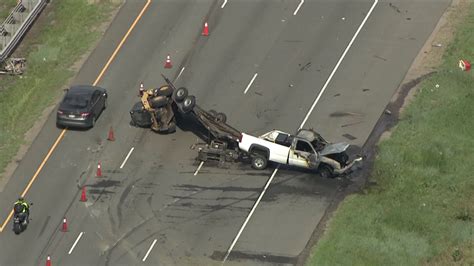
[[388, 112], [379, 57], [13, 66], [305, 67], [437, 45], [394, 7]]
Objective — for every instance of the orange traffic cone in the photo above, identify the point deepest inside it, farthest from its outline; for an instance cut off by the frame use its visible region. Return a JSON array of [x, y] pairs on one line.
[[99, 170], [205, 30], [111, 135], [48, 261], [83, 194], [64, 226], [168, 62]]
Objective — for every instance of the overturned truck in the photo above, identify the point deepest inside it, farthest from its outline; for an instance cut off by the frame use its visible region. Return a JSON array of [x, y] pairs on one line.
[[159, 107]]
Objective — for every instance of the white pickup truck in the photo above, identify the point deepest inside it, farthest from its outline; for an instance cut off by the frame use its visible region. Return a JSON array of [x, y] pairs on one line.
[[307, 149]]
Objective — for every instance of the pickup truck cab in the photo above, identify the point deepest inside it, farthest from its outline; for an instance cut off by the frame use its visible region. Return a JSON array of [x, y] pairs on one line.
[[307, 149]]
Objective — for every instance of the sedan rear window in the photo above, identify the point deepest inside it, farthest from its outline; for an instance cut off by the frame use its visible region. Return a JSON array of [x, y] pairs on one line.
[[75, 101]]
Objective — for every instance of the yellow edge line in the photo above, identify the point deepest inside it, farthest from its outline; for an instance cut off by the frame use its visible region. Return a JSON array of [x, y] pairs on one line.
[[58, 140]]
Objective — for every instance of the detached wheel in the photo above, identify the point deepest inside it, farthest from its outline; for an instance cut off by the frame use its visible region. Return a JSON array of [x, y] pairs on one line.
[[165, 90], [189, 103], [213, 112], [180, 94], [259, 162], [221, 117], [325, 171]]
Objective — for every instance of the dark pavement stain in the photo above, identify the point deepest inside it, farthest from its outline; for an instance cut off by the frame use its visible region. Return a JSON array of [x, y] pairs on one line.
[[305, 67], [261, 257], [337, 94], [44, 226], [365, 89], [349, 136], [105, 183], [343, 114], [352, 124], [101, 191], [224, 189]]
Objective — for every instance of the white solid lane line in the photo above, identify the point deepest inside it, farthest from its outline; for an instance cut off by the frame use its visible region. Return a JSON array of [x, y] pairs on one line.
[[250, 83], [149, 250], [223, 4], [75, 243], [339, 63], [302, 124], [250, 214], [199, 168], [180, 72], [126, 158], [298, 8]]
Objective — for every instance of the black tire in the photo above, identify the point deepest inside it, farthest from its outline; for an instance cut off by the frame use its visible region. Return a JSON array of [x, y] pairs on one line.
[[213, 113], [221, 117], [325, 171], [93, 121], [180, 94], [17, 228], [105, 104], [343, 159], [259, 162], [189, 103], [158, 102], [58, 125], [165, 90]]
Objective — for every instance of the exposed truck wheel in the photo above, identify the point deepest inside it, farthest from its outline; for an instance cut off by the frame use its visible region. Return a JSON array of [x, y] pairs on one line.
[[259, 162], [189, 103], [221, 117], [326, 171], [213, 113], [165, 90], [180, 94], [158, 101]]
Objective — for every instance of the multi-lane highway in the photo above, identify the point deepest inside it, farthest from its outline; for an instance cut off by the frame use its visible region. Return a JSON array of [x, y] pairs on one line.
[[330, 65]]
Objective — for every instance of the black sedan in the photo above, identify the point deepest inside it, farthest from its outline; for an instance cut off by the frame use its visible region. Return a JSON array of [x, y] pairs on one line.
[[81, 106]]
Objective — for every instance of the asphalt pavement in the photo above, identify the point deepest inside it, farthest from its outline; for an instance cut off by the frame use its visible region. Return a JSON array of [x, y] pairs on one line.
[[264, 64]]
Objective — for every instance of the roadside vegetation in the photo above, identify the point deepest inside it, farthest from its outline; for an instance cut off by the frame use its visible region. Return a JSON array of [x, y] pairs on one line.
[[5, 7], [55, 43], [421, 210]]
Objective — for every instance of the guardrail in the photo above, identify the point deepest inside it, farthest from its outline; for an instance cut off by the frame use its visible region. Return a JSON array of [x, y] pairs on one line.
[[17, 23]]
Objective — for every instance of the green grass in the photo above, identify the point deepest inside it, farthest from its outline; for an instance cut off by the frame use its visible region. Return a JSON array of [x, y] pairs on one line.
[[422, 209], [71, 29], [5, 7]]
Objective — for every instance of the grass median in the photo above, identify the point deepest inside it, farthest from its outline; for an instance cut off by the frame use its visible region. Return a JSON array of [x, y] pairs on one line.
[[69, 30], [422, 209]]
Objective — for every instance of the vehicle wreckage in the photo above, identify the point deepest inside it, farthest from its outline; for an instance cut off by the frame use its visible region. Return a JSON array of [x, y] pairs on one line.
[[307, 149]]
